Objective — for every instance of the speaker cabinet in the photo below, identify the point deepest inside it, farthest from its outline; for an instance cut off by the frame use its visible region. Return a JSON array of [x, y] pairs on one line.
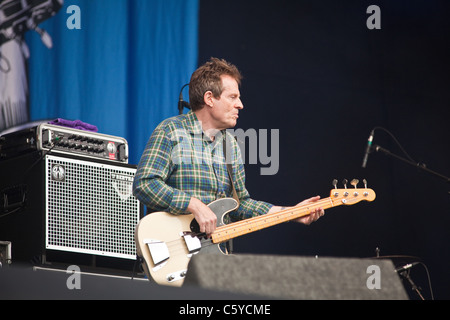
[[61, 204], [290, 277]]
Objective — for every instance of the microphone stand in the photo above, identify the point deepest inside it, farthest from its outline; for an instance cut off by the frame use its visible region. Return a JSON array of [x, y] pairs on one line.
[[421, 166], [417, 165], [405, 274]]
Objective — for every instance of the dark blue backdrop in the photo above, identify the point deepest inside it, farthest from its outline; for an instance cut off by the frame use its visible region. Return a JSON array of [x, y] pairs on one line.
[[313, 70], [122, 71]]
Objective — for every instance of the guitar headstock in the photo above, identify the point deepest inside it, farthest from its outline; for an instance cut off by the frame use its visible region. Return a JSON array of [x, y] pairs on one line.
[[351, 195]]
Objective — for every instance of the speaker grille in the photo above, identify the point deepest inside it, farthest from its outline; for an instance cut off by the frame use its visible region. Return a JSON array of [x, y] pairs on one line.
[[90, 207]]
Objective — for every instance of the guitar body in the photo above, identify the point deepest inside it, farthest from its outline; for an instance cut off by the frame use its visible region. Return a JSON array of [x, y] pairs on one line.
[[166, 242]]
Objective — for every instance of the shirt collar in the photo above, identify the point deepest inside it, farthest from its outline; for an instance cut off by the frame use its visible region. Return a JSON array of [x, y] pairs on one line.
[[194, 126]]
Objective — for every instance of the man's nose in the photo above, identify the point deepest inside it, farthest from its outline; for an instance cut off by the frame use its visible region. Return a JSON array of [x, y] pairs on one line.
[[240, 105]]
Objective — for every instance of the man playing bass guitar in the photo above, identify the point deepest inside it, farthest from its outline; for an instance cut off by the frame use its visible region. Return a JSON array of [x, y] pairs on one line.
[[183, 167]]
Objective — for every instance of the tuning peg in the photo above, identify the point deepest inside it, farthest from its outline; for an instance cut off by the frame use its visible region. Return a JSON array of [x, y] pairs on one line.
[[354, 183], [335, 182], [344, 182], [365, 183], [366, 193]]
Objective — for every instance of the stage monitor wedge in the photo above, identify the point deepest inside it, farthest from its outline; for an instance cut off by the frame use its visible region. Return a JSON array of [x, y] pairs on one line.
[[299, 278]]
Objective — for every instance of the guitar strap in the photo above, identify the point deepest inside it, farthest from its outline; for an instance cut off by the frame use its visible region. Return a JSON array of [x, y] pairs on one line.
[[228, 246], [229, 169]]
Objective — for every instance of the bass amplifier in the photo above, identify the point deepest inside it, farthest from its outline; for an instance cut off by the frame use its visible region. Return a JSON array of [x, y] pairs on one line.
[[64, 140], [55, 204]]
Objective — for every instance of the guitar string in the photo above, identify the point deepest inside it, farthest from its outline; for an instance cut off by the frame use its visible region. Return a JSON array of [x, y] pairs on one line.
[[178, 244], [287, 216], [254, 224], [247, 224]]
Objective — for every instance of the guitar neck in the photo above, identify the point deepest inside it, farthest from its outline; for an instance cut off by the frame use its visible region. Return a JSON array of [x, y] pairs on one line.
[[337, 197], [236, 229]]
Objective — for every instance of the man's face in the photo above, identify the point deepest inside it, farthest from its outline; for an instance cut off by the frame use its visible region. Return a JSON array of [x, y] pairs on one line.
[[225, 109]]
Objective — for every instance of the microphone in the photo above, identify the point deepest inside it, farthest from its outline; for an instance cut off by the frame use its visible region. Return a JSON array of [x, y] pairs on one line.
[[181, 102], [406, 267], [369, 145]]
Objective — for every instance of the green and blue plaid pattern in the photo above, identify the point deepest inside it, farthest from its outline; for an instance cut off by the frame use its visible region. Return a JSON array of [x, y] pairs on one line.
[[180, 162]]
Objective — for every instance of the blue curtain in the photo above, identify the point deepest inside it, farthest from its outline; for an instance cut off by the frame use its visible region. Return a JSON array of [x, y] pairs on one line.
[[122, 71]]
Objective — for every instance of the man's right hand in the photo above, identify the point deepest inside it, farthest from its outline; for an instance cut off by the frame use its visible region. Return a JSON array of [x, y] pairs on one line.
[[205, 217]]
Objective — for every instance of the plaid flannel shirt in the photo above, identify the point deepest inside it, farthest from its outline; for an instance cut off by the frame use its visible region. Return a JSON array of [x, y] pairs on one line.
[[180, 162]]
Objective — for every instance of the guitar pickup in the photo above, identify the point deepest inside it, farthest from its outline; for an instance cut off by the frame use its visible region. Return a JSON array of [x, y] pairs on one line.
[[193, 243], [158, 250]]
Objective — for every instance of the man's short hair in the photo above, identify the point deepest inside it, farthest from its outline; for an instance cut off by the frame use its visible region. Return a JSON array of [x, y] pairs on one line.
[[208, 78]]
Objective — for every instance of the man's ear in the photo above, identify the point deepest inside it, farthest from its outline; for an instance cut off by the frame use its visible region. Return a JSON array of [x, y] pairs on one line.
[[208, 98]]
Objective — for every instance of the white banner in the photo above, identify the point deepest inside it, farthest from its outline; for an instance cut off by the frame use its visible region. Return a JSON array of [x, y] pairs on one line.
[[13, 84], [16, 18]]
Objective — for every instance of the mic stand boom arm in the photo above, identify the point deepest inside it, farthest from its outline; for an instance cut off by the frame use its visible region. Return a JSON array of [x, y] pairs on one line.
[[417, 165]]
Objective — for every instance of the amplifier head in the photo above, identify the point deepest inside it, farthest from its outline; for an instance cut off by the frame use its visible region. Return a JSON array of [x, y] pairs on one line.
[[64, 140], [82, 143]]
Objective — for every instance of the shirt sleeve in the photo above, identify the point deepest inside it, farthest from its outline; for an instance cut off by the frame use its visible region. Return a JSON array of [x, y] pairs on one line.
[[248, 207], [154, 167]]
